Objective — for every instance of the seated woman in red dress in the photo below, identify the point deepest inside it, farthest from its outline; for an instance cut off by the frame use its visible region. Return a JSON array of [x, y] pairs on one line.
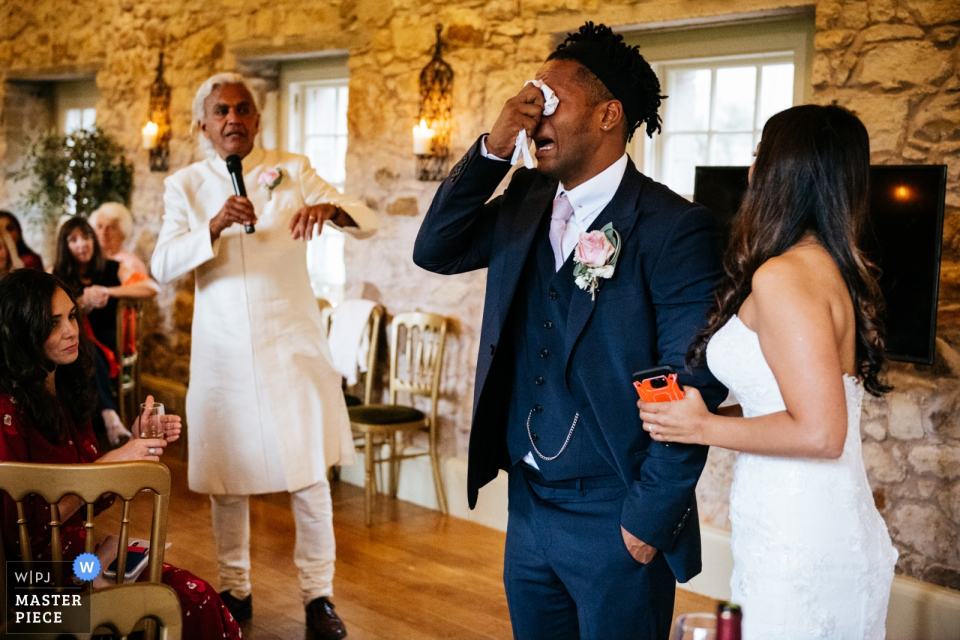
[[46, 403]]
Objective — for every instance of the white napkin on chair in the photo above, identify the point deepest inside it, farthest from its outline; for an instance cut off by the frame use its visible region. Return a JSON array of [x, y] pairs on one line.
[[549, 106], [349, 339]]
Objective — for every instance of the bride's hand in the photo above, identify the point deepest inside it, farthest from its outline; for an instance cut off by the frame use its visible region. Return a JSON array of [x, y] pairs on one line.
[[677, 421]]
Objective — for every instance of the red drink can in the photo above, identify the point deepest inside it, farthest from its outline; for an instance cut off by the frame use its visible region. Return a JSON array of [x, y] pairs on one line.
[[729, 619]]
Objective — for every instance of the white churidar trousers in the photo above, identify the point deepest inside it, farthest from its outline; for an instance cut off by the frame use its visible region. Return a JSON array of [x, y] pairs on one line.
[[314, 553]]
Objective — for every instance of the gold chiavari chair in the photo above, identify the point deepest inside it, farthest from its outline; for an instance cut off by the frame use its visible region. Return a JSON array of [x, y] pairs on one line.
[[417, 342], [121, 609], [127, 386], [326, 312], [52, 482]]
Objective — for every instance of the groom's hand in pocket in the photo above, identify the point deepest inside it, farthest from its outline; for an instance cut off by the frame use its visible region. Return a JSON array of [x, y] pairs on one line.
[[640, 550]]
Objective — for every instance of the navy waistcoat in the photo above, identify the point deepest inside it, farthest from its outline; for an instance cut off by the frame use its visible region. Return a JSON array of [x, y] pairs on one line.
[[540, 393]]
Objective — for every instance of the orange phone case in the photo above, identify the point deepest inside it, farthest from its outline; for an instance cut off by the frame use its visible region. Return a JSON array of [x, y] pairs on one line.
[[660, 389]]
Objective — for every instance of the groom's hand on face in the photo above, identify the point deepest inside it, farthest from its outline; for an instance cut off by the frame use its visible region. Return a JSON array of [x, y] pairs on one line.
[[522, 111], [640, 550]]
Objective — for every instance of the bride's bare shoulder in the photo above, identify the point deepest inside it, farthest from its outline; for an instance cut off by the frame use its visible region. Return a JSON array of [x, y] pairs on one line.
[[805, 270]]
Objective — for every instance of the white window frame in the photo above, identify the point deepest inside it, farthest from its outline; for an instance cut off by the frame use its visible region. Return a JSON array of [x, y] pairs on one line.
[[296, 138], [736, 43], [654, 150], [325, 255]]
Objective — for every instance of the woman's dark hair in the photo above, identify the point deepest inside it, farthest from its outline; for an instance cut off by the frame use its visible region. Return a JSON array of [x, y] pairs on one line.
[[811, 176], [26, 321], [22, 247], [66, 266]]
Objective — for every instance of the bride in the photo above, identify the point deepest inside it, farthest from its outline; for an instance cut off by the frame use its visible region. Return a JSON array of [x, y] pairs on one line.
[[795, 336]]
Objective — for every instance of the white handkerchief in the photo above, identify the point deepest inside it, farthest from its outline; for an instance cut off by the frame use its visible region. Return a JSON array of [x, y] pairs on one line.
[[550, 102]]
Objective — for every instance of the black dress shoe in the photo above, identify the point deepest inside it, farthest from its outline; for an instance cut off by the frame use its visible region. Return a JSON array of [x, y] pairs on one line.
[[241, 610], [322, 621]]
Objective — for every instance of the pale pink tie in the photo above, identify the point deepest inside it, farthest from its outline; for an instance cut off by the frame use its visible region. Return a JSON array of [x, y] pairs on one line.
[[562, 210]]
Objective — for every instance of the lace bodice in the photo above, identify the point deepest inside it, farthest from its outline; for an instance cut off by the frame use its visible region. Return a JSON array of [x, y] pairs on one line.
[[812, 557]]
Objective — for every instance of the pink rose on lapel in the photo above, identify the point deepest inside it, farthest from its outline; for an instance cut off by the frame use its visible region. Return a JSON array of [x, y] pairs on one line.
[[596, 257], [594, 249], [270, 178]]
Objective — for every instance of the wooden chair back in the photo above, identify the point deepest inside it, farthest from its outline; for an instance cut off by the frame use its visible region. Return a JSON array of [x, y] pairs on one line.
[[373, 334], [417, 341], [51, 482], [129, 323], [119, 609], [326, 310]]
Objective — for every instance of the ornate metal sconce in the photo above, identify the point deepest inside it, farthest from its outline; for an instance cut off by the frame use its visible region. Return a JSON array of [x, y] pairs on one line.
[[431, 138], [156, 133]]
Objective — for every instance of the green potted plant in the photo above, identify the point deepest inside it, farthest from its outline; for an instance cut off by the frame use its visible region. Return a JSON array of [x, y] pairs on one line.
[[73, 174]]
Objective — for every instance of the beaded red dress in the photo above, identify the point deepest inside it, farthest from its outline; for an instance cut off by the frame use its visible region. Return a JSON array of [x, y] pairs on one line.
[[204, 614]]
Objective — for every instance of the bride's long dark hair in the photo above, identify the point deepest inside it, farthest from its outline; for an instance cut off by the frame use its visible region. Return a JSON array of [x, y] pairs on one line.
[[811, 176]]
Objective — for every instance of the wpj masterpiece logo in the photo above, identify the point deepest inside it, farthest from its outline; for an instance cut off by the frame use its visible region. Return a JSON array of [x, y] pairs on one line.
[[50, 597]]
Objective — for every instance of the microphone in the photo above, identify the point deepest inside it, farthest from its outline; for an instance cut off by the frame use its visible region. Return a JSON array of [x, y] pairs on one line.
[[235, 169]]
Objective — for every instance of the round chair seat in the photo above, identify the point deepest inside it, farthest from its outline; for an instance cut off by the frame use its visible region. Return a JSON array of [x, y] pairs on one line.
[[385, 414]]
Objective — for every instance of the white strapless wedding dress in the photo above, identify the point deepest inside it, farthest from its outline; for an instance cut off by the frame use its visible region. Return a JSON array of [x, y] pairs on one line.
[[812, 556]]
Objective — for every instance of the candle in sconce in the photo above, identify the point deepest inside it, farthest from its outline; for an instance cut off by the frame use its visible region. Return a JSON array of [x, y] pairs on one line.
[[150, 133], [422, 137]]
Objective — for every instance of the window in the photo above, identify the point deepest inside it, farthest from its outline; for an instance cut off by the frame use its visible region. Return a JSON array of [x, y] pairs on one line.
[[76, 103], [316, 95], [75, 119], [716, 113], [723, 84], [321, 109]]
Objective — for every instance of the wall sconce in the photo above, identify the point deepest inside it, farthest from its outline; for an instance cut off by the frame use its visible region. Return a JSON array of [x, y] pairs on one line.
[[431, 138], [156, 133]]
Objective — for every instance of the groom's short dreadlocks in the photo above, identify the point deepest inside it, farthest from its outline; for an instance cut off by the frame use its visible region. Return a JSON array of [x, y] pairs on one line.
[[620, 69]]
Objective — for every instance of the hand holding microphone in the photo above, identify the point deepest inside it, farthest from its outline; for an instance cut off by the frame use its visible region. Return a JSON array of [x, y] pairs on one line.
[[237, 209], [235, 168]]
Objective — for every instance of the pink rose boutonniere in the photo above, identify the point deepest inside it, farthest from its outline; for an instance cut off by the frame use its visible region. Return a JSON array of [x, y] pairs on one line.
[[596, 257], [270, 178]]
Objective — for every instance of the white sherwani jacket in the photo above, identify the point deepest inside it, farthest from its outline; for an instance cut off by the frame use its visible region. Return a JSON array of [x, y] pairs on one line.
[[264, 408]]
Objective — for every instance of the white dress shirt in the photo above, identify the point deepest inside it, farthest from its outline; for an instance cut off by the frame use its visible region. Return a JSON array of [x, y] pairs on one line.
[[588, 200]]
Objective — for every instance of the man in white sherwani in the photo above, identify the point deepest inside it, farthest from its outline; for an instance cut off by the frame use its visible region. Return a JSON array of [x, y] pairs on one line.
[[265, 407]]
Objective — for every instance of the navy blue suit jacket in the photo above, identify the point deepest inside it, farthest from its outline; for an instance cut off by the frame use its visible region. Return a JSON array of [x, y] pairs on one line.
[[646, 315]]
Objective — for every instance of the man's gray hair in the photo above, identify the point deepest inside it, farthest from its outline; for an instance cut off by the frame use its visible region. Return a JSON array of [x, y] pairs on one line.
[[205, 90]]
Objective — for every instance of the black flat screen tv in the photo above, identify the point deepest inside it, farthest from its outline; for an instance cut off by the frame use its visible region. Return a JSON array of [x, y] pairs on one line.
[[903, 237]]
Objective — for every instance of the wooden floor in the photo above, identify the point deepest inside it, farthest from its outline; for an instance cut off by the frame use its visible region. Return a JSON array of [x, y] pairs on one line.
[[414, 575]]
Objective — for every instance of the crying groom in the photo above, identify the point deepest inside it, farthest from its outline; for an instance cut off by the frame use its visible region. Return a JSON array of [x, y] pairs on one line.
[[602, 520]]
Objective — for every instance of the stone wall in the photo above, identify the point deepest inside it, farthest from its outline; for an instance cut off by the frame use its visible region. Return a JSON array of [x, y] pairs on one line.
[[893, 61]]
